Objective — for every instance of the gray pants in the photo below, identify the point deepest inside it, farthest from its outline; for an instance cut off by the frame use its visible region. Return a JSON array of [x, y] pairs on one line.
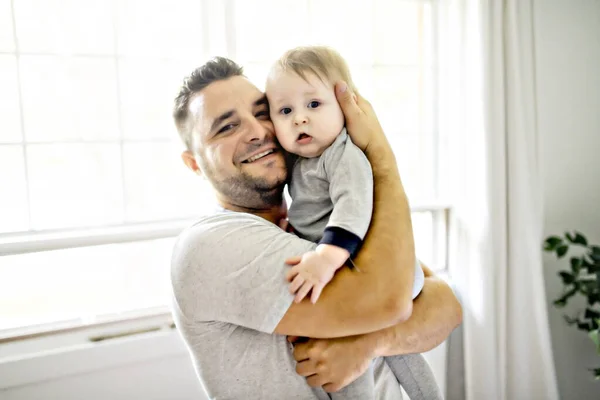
[[412, 372]]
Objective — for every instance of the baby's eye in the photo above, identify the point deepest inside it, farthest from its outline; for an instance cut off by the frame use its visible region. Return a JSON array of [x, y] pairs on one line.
[[285, 110], [314, 104]]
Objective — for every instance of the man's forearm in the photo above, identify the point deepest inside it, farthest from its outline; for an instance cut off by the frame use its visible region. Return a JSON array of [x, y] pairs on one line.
[[388, 250], [436, 313]]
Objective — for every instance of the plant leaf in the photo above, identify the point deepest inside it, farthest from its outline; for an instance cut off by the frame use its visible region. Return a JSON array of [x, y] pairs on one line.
[[569, 320], [593, 298], [591, 314], [580, 239], [594, 335], [596, 372], [576, 265], [552, 242], [584, 326], [567, 278], [562, 250], [562, 301], [595, 254], [593, 268]]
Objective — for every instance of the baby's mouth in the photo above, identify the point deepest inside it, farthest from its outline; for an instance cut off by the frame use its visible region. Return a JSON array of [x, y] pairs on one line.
[[303, 138]]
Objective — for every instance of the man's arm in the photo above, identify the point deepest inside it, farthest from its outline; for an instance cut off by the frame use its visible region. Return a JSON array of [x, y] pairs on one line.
[[334, 363], [436, 313], [378, 296]]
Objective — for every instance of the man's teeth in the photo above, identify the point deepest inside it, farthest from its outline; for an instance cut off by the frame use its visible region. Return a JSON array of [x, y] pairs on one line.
[[259, 155]]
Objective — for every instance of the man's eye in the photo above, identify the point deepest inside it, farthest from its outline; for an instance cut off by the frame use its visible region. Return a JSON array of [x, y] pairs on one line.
[[226, 128], [262, 114], [314, 104], [285, 110]]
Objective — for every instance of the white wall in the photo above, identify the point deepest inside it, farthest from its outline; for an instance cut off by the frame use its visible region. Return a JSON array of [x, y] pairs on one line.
[[568, 71]]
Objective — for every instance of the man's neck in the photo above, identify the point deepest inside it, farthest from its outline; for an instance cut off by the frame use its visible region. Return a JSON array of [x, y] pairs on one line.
[[272, 214]]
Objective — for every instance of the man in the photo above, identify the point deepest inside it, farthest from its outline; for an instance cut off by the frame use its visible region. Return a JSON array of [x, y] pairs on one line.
[[231, 300]]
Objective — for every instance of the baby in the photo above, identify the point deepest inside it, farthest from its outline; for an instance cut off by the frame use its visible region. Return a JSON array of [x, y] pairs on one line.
[[331, 188]]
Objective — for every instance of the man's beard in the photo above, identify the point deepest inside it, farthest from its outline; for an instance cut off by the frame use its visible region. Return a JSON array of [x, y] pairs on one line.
[[248, 191]]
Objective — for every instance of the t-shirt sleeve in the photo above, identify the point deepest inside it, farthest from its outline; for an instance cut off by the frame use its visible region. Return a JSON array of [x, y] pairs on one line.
[[350, 187], [231, 268]]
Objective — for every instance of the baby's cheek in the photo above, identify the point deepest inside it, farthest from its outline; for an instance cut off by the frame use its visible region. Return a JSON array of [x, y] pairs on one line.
[[280, 131]]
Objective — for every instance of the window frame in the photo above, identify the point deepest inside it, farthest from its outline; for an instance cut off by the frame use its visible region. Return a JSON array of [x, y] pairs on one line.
[[30, 241]]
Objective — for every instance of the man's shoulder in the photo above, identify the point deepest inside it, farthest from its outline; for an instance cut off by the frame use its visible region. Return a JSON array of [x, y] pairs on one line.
[[220, 223]]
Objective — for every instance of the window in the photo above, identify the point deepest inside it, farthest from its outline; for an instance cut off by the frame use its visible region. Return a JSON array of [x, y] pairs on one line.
[[94, 191]]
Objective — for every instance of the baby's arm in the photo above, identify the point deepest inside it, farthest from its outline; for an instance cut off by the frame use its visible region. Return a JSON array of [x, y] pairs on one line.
[[351, 191]]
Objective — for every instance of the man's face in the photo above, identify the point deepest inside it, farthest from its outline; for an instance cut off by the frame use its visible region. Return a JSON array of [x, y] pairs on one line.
[[234, 143], [305, 112]]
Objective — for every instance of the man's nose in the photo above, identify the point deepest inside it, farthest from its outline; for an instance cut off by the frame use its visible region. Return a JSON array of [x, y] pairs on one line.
[[256, 131], [300, 119]]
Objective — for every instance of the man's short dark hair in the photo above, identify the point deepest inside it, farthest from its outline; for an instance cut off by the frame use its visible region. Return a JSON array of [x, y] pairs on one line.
[[219, 68]]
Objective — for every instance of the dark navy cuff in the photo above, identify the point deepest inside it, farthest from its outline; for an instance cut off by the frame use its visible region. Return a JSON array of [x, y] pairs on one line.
[[342, 238]]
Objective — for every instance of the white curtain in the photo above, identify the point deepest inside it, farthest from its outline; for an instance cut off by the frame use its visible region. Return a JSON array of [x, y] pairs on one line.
[[492, 176]]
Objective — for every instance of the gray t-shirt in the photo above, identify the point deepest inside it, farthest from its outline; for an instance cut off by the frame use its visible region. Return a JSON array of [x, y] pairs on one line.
[[229, 294]]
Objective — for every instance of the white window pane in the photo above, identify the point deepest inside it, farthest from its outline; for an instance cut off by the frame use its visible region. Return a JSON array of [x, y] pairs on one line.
[[397, 39], [74, 185], [158, 184], [400, 98], [415, 163], [65, 26], [267, 28], [364, 80], [148, 91], [69, 98], [169, 28], [59, 285], [13, 201], [10, 114], [215, 18], [345, 25], [7, 41], [257, 74]]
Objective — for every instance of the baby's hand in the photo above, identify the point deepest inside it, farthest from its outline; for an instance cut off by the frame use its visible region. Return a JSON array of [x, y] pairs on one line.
[[314, 270], [310, 273]]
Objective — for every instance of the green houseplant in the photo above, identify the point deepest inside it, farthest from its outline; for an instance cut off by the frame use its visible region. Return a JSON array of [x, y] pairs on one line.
[[582, 278]]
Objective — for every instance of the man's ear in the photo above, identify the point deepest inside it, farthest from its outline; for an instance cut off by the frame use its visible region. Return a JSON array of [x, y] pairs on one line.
[[190, 161]]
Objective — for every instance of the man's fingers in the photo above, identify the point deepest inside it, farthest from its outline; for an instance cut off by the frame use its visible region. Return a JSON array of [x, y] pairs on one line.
[[306, 287], [332, 387], [316, 381], [293, 260], [316, 292], [347, 99], [305, 368], [301, 352]]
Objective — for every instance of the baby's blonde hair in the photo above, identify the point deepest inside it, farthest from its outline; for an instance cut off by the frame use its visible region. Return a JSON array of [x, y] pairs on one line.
[[324, 62]]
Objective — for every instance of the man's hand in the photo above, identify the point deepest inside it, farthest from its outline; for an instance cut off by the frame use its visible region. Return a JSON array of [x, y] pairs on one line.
[[332, 363], [310, 273], [361, 121]]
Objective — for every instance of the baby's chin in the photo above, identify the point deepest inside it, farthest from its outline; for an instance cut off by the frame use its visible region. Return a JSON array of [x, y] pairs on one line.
[[308, 151]]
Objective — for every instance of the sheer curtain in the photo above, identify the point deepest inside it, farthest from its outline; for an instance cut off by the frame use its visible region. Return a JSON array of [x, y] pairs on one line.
[[488, 125]]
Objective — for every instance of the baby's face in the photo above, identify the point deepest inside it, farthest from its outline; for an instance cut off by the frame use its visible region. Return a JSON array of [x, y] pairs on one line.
[[305, 113]]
